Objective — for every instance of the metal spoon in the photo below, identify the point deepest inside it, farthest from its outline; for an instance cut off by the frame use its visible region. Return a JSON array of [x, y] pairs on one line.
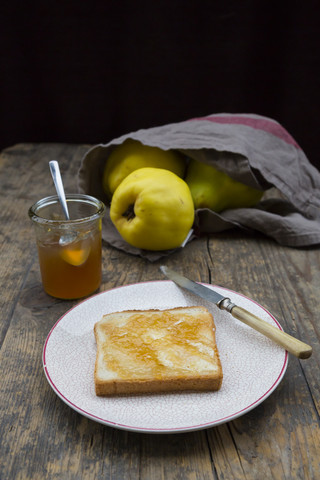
[[57, 180]]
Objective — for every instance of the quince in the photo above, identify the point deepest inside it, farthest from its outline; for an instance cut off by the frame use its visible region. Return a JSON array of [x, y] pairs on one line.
[[132, 155], [152, 209], [211, 188]]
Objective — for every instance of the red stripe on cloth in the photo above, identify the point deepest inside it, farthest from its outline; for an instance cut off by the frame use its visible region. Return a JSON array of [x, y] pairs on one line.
[[263, 124]]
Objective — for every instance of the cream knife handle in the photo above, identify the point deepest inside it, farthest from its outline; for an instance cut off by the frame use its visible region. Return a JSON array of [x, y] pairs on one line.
[[291, 344]]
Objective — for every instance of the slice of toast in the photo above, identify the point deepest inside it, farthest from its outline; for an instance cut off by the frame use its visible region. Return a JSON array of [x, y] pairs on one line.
[[147, 351]]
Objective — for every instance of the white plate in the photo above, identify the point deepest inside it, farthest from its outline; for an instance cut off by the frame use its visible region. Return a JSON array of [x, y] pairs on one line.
[[253, 365]]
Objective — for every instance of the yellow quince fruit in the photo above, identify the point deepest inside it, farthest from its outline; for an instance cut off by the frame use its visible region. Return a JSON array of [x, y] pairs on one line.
[[211, 188], [132, 155], [152, 209]]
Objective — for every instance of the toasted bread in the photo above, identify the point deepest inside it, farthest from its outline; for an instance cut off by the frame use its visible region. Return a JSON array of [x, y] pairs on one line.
[[147, 351]]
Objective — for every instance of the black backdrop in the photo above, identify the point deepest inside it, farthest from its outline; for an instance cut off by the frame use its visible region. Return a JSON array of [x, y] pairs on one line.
[[86, 72]]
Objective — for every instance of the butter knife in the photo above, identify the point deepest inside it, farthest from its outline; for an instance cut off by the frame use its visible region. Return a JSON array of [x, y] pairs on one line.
[[291, 344]]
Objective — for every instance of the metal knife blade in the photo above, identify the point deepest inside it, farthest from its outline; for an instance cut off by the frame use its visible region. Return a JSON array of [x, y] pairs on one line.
[[291, 344], [198, 289]]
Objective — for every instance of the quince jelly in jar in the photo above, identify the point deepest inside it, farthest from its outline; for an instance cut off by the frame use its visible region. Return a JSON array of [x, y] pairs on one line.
[[69, 251], [72, 270]]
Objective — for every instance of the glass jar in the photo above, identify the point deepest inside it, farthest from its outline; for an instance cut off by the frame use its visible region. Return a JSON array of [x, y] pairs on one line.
[[69, 250]]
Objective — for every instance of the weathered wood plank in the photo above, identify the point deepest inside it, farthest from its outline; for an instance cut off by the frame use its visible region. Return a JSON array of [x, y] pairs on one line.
[[282, 280], [41, 437], [24, 178]]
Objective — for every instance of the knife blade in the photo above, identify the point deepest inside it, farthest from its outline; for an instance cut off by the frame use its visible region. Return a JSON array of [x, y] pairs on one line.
[[291, 344]]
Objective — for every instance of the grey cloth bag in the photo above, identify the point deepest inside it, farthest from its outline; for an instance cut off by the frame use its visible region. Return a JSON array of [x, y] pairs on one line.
[[252, 149]]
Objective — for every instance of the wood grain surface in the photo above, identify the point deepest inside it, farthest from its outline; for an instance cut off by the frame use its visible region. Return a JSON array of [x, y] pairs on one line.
[[42, 438]]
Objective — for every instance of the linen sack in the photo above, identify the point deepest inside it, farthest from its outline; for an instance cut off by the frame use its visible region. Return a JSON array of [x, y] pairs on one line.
[[252, 149]]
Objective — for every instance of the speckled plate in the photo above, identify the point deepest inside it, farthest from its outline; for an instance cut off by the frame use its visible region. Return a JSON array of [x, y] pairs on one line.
[[253, 365]]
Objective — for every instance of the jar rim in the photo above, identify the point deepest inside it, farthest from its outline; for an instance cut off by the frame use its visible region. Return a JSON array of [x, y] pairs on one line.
[[54, 199]]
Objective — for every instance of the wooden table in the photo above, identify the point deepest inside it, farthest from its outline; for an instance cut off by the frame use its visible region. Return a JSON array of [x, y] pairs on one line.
[[42, 438]]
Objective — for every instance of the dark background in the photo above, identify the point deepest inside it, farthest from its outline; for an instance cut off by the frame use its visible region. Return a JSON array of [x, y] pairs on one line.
[[87, 72]]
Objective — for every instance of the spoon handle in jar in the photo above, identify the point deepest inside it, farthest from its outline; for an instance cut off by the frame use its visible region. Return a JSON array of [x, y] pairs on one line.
[[57, 180]]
